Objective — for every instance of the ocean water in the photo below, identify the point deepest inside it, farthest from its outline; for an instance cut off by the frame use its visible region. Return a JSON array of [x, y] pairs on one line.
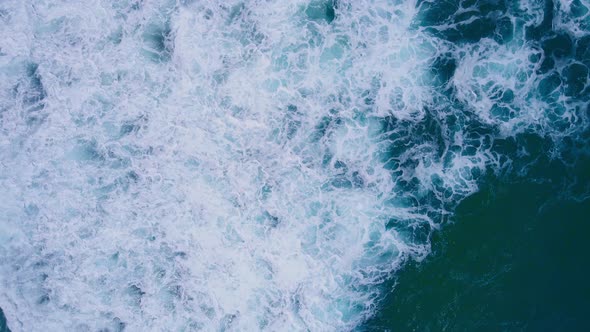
[[301, 165], [516, 259]]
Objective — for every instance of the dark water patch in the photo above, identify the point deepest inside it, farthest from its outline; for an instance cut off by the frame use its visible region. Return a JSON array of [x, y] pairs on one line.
[[400, 135], [32, 94], [269, 220], [466, 21], [235, 12], [347, 180], [578, 9], [118, 325], [576, 79], [159, 42], [293, 121], [133, 126], [116, 37], [442, 70], [44, 299], [435, 13], [322, 11], [88, 151], [547, 65], [128, 128], [92, 152], [3, 323], [516, 259], [537, 32], [583, 50], [558, 45], [411, 231], [134, 294], [504, 31], [549, 84], [326, 126], [35, 92]]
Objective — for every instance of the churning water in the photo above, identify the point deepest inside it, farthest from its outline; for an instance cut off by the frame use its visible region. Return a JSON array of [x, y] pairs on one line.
[[260, 165]]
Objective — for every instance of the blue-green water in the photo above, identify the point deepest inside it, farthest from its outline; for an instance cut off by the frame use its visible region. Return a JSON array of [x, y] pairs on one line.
[[3, 326], [515, 259], [294, 165]]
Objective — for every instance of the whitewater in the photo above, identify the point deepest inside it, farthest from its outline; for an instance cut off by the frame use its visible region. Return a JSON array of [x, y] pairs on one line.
[[251, 165]]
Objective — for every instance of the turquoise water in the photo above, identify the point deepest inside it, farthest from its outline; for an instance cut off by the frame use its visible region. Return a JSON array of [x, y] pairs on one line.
[[294, 165]]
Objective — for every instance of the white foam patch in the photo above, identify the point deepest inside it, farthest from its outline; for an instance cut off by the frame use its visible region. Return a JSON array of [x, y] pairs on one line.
[[179, 179]]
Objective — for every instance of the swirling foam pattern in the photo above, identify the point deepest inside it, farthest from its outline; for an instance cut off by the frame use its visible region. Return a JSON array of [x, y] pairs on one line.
[[256, 165]]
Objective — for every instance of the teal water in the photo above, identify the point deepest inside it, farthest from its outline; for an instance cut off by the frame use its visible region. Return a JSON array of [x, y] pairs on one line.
[[3, 326], [515, 256], [515, 259]]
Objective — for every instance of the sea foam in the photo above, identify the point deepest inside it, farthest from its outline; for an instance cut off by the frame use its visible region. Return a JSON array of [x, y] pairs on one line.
[[230, 165]]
